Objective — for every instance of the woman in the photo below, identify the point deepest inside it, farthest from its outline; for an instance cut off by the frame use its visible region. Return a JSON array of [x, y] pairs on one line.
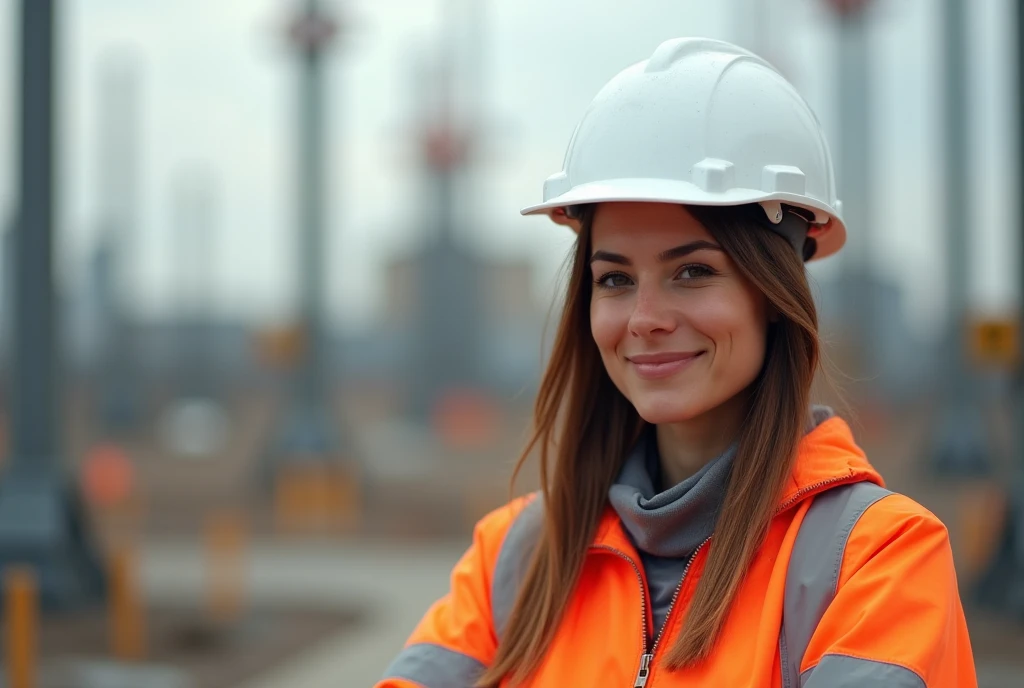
[[699, 524]]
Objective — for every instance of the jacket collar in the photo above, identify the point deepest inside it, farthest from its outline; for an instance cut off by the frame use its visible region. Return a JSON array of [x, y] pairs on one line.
[[826, 456]]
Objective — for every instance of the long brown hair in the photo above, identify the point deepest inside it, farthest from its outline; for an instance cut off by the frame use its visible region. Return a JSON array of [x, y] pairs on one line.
[[583, 428]]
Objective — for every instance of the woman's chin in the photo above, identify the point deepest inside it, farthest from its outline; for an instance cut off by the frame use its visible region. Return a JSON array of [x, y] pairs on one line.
[[658, 409]]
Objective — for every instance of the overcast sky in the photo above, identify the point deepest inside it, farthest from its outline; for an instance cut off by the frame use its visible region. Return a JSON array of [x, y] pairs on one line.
[[217, 92]]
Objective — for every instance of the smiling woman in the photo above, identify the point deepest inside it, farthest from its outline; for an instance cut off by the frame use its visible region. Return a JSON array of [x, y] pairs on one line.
[[691, 497], [680, 328], [668, 300]]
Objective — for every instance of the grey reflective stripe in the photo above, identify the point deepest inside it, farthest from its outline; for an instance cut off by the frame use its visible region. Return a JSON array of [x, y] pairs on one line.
[[813, 573], [433, 666], [513, 561], [840, 671]]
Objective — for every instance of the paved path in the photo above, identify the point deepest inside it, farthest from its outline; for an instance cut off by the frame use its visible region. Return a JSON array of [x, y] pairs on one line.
[[397, 583]]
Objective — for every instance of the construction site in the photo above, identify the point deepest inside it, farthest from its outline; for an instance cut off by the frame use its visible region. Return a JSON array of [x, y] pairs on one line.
[[272, 325]]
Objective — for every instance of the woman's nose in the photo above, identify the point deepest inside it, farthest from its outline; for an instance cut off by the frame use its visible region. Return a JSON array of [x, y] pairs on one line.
[[651, 313]]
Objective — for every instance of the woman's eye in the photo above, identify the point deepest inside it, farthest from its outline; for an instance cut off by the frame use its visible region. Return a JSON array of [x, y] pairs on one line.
[[614, 280], [690, 272]]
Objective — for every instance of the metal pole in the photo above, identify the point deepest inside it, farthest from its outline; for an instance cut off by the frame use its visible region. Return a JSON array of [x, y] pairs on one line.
[[34, 445], [448, 321], [854, 177], [957, 198], [1015, 518], [1009, 565], [961, 447], [42, 522], [309, 430], [1017, 513], [311, 219], [1001, 586]]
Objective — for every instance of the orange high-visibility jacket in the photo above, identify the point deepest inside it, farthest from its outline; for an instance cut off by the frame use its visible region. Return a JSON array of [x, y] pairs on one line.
[[853, 586]]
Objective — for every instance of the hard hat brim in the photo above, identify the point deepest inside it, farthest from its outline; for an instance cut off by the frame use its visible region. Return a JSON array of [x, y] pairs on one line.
[[830, 236]]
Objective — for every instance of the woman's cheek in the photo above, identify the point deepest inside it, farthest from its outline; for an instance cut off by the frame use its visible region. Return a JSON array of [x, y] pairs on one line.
[[604, 327]]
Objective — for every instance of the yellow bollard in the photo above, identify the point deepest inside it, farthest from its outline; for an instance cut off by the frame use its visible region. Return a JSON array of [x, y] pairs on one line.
[[225, 539], [21, 631], [317, 499], [346, 500], [126, 615], [291, 500], [982, 510]]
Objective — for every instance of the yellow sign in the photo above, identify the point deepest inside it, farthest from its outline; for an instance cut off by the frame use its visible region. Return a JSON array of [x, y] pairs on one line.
[[281, 347], [996, 342]]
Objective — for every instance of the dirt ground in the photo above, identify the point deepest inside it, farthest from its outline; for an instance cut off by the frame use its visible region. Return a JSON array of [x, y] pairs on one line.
[[181, 648]]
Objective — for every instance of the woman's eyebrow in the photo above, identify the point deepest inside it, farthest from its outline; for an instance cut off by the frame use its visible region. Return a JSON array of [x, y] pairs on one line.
[[664, 256], [609, 257], [687, 249]]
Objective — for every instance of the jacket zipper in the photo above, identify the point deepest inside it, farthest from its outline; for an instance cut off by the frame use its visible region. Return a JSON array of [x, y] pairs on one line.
[[811, 488], [641, 680], [647, 657]]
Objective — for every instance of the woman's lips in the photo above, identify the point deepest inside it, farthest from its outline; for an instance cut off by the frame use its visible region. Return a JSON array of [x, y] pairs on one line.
[[656, 366]]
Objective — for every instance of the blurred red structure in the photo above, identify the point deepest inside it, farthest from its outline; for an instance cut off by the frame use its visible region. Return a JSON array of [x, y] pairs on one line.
[[108, 477], [466, 419]]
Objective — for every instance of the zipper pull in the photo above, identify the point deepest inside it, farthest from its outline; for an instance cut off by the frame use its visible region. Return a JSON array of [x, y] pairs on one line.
[[645, 669]]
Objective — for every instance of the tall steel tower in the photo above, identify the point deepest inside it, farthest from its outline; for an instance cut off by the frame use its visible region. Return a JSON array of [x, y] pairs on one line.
[[309, 431], [42, 523]]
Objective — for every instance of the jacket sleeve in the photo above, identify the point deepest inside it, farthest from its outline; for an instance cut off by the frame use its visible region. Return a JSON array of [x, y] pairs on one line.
[[896, 620], [455, 640]]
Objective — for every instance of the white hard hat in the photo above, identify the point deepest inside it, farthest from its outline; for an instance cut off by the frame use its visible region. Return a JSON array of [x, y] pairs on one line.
[[702, 122]]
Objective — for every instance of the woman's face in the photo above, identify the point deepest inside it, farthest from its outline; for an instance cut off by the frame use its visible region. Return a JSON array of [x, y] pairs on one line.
[[680, 331]]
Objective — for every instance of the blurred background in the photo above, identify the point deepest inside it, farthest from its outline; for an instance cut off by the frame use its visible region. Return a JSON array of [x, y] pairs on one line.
[[272, 323]]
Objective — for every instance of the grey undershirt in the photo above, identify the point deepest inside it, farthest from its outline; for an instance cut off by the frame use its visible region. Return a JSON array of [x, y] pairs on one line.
[[667, 525]]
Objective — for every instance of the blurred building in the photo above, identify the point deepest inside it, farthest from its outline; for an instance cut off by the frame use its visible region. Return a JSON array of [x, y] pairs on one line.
[[889, 359], [509, 334]]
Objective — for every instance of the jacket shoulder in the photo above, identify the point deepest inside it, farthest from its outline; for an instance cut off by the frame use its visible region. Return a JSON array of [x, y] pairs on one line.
[[898, 512], [895, 521], [524, 512]]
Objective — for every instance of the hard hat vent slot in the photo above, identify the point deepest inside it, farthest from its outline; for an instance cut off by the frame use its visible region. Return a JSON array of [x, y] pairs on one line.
[[783, 179], [556, 185], [713, 175]]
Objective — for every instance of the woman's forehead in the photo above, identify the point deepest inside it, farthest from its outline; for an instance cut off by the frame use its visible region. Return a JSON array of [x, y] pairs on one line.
[[644, 225]]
